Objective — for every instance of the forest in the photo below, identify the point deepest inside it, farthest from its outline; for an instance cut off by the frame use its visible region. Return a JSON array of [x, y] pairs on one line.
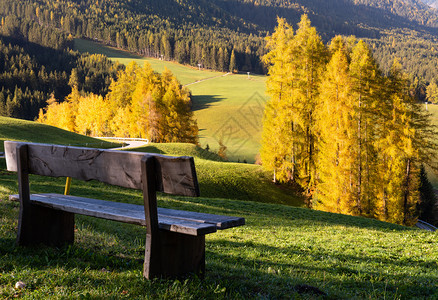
[[229, 35], [354, 138], [140, 104], [36, 64]]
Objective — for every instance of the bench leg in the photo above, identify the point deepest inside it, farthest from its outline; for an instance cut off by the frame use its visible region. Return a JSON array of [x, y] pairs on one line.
[[175, 255], [42, 225]]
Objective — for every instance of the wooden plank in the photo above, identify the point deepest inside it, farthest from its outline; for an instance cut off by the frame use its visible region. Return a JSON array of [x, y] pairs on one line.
[[221, 222], [175, 175], [116, 211]]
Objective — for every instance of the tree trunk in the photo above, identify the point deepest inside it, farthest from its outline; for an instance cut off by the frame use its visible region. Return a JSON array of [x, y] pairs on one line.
[[406, 191]]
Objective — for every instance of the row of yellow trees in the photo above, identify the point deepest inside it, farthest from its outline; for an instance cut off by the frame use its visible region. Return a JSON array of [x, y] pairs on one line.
[[354, 139], [141, 104]]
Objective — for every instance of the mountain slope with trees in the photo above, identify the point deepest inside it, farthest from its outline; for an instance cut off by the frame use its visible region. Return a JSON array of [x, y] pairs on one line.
[[228, 35]]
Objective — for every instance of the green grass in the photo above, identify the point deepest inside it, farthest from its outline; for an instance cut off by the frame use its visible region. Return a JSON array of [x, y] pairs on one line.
[[185, 74], [27, 131], [280, 251], [228, 108], [230, 180]]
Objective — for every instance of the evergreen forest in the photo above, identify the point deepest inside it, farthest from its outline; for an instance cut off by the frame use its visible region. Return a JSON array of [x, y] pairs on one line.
[[228, 35], [30, 73]]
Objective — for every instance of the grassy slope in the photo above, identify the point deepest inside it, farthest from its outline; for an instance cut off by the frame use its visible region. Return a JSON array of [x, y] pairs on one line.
[[278, 253], [27, 131], [185, 74], [228, 108], [230, 180]]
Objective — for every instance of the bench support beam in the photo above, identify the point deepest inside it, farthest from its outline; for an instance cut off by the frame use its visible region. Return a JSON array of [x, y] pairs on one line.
[[46, 226], [178, 255], [167, 254], [37, 224]]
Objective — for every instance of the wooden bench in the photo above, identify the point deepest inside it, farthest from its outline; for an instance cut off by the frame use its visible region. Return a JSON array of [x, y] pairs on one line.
[[175, 239]]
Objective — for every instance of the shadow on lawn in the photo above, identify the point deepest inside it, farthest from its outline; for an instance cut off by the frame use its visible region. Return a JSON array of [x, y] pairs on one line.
[[295, 216], [334, 279], [204, 101]]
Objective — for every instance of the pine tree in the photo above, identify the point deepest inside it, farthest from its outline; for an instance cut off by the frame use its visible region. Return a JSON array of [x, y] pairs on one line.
[[404, 145], [432, 92], [366, 94], [92, 116]]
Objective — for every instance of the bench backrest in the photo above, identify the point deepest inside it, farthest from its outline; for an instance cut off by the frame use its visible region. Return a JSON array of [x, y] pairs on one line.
[[172, 175]]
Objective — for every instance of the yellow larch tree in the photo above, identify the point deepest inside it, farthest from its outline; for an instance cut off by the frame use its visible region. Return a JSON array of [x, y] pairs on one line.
[[334, 127], [277, 151]]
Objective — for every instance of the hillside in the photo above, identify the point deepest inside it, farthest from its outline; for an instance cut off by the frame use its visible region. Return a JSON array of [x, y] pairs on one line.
[[216, 178], [228, 107], [31, 73], [27, 131], [282, 252], [184, 30]]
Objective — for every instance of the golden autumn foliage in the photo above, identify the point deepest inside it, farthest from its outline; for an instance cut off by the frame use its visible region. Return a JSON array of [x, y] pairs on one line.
[[140, 104], [296, 63], [352, 137]]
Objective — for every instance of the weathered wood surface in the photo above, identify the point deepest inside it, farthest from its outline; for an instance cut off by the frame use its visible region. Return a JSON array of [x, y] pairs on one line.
[[221, 222], [175, 240], [153, 250], [37, 224], [174, 175], [117, 211], [180, 255]]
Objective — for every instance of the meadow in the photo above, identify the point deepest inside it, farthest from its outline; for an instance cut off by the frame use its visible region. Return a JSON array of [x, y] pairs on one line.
[[228, 107], [27, 131], [282, 252]]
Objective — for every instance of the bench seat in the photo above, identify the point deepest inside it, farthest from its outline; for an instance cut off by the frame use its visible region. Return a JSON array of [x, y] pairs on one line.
[[191, 223], [175, 239]]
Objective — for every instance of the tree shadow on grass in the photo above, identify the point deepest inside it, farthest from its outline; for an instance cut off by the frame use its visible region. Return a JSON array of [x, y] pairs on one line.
[[204, 101], [341, 280], [295, 216]]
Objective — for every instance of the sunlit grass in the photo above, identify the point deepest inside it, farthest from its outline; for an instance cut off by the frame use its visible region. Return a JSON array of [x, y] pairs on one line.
[[27, 131], [228, 109], [279, 250], [282, 252], [230, 180]]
